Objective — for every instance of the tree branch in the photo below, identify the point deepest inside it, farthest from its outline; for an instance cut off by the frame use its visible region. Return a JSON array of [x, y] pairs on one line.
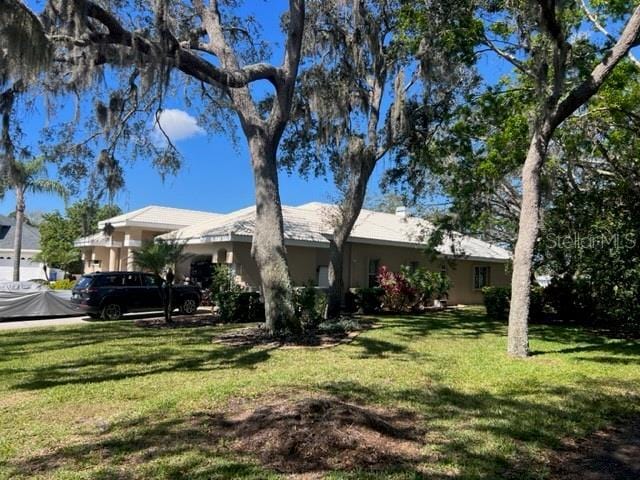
[[596, 23], [583, 92], [179, 57]]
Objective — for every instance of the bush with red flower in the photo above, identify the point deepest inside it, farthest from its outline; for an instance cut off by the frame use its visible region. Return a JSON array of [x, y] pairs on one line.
[[399, 295]]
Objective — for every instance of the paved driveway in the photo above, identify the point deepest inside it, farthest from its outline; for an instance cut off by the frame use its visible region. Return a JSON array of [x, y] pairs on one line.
[[46, 322], [54, 322]]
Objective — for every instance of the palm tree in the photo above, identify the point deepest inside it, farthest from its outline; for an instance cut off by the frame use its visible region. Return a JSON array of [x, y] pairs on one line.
[[28, 177], [154, 256]]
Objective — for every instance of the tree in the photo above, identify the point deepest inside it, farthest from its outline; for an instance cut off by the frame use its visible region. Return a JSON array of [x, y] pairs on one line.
[[28, 177], [58, 232], [552, 73], [588, 240], [25, 51], [555, 72], [216, 54], [155, 256], [357, 67]]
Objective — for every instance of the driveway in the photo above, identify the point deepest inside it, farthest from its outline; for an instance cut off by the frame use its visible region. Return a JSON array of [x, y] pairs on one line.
[[55, 322], [45, 322]]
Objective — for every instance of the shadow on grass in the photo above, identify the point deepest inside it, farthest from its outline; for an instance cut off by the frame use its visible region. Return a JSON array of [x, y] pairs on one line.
[[308, 435], [465, 435], [119, 351], [491, 436]]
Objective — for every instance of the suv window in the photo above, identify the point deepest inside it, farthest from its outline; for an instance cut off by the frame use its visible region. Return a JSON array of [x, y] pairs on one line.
[[109, 281], [84, 282], [132, 280], [150, 280]]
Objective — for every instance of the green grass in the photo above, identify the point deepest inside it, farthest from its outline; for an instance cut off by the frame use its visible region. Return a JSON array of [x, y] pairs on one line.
[[113, 400]]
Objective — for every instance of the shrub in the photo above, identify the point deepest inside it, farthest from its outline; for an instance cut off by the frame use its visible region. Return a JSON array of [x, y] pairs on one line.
[[350, 302], [342, 325], [236, 306], [428, 285], [64, 284], [221, 279], [496, 301], [309, 304], [399, 295], [369, 300]]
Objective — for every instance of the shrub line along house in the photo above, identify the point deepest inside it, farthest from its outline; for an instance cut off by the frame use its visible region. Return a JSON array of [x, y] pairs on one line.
[[377, 239]]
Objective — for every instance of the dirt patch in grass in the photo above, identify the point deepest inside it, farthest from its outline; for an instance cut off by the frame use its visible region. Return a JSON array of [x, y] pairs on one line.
[[320, 434], [259, 336], [609, 454]]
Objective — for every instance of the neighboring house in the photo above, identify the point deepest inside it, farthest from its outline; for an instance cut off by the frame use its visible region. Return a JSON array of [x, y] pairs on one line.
[[377, 239], [29, 270]]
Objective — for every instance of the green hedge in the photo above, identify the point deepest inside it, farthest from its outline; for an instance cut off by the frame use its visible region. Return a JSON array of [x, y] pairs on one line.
[[240, 307], [498, 299]]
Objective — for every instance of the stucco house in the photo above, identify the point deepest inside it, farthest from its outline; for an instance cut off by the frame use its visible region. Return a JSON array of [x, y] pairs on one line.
[[377, 239]]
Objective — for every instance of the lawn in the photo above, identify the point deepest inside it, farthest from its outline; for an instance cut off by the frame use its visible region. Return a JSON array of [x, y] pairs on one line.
[[115, 400]]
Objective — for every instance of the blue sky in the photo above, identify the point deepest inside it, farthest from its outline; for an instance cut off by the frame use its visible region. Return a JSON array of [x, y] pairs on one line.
[[216, 175]]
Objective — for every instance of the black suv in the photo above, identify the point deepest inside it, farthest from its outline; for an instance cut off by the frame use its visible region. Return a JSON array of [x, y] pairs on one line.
[[109, 295]]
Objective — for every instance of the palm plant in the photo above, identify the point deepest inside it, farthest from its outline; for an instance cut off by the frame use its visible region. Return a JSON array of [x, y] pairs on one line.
[[28, 177], [154, 256]]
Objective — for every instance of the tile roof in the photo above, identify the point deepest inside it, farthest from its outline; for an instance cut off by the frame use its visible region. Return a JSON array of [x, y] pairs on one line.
[[311, 222], [156, 214]]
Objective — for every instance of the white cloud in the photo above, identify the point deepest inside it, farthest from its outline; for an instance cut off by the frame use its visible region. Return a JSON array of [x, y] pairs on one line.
[[178, 125]]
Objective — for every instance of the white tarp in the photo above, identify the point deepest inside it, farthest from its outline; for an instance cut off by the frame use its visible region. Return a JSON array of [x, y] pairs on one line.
[[30, 299]]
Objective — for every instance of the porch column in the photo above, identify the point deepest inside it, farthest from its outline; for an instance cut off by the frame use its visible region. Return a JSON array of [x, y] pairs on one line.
[[132, 240], [113, 259]]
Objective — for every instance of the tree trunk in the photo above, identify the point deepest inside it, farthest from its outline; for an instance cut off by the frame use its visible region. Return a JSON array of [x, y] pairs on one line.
[[268, 239], [518, 334], [348, 213], [17, 241]]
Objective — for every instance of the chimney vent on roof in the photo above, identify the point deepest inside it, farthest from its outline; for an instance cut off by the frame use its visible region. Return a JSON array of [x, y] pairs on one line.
[[401, 212]]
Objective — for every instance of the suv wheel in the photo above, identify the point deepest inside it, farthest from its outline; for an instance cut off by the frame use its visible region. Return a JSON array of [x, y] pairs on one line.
[[111, 311], [189, 307]]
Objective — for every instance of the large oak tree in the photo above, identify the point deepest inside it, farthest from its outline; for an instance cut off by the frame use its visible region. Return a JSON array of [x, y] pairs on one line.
[[217, 55]]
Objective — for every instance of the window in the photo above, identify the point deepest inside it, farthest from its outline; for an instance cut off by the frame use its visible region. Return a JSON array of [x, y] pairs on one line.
[[413, 266], [374, 266], [481, 277], [131, 280], [151, 281], [109, 281], [323, 276], [84, 282]]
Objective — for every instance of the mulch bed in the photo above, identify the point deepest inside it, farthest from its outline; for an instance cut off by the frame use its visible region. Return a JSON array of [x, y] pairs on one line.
[[317, 434], [609, 454], [179, 321], [259, 336]]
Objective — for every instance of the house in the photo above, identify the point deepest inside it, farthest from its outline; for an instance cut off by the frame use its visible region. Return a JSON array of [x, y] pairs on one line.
[[377, 239], [110, 249], [29, 269]]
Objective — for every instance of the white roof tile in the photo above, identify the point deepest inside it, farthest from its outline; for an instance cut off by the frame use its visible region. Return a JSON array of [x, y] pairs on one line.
[[311, 222], [159, 215]]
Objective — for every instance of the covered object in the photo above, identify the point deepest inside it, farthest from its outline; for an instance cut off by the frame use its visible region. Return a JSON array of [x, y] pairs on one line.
[[30, 299]]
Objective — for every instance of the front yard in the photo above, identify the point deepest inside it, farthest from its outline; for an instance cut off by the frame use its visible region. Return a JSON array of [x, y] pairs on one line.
[[115, 400]]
